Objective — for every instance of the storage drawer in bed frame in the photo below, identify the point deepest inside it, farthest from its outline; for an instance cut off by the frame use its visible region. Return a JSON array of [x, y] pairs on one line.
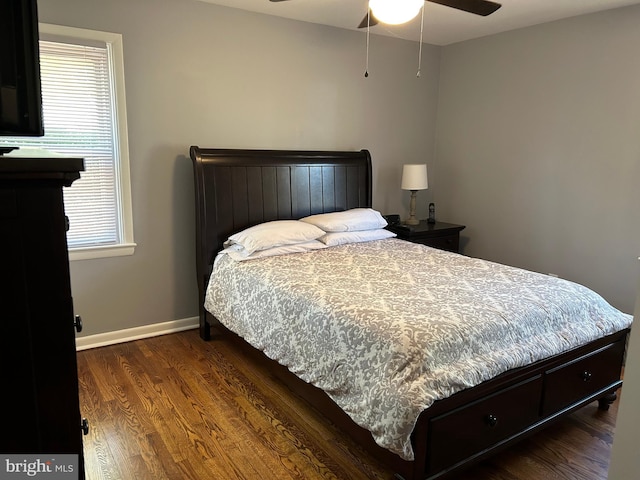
[[571, 381], [472, 428]]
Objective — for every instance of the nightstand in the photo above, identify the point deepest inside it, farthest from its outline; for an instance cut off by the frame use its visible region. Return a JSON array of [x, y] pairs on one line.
[[445, 236]]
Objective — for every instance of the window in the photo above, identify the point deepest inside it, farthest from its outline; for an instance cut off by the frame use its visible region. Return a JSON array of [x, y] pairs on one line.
[[84, 114]]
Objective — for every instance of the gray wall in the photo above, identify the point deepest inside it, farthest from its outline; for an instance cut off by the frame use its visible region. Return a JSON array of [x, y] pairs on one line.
[[200, 74], [538, 149]]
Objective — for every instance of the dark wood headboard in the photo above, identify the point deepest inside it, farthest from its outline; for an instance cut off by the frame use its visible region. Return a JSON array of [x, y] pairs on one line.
[[236, 189]]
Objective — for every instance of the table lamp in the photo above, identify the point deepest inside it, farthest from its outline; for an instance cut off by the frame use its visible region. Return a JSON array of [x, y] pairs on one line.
[[414, 178]]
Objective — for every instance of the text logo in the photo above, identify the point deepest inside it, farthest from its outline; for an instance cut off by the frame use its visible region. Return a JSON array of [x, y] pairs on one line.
[[50, 467]]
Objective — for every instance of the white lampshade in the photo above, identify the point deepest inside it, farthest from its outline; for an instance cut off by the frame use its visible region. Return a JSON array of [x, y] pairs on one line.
[[414, 177], [395, 12]]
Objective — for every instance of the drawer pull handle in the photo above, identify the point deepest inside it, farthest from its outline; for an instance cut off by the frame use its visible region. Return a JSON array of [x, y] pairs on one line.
[[491, 420], [85, 426], [586, 376]]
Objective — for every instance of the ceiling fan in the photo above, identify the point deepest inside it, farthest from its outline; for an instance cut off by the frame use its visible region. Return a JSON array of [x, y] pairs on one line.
[[478, 7]]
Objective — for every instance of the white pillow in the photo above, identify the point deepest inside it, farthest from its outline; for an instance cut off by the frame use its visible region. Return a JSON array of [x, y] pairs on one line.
[[356, 219], [340, 238], [239, 254], [274, 234]]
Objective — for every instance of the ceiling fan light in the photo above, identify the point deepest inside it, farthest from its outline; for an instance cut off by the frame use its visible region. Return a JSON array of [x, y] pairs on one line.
[[395, 12]]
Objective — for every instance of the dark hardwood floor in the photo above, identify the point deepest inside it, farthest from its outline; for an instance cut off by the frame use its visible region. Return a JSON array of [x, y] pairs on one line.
[[175, 407]]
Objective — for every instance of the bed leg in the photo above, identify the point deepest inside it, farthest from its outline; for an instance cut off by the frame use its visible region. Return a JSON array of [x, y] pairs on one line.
[[205, 328], [605, 402]]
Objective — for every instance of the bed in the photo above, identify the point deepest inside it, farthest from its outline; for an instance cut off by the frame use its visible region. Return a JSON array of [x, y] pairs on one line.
[[236, 189]]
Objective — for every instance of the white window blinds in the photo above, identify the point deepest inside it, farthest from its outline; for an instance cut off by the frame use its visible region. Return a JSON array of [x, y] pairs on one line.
[[78, 118]]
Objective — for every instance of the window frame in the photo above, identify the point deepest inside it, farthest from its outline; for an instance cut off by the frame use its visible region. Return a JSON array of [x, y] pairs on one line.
[[113, 41]]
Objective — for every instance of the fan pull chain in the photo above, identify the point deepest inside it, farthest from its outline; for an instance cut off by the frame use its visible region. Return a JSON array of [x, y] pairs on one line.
[[420, 51], [366, 68]]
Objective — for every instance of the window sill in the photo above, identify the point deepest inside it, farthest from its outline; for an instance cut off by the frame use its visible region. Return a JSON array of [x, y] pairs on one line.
[[88, 253]]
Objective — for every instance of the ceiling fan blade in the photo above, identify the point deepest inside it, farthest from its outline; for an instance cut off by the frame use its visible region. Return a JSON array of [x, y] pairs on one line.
[[368, 20], [479, 7]]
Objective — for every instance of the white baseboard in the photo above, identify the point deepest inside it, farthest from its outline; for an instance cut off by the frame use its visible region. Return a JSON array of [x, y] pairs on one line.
[[136, 333]]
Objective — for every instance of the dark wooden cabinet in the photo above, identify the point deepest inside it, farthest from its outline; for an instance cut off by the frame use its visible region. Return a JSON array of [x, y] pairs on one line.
[[41, 413], [445, 236]]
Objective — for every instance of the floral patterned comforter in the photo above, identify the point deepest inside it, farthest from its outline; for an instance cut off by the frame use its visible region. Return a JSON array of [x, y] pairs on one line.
[[388, 327]]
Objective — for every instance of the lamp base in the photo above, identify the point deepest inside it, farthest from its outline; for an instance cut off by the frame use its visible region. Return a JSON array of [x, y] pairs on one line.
[[412, 220]]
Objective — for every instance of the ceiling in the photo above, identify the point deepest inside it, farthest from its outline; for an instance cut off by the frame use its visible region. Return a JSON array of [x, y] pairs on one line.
[[442, 25]]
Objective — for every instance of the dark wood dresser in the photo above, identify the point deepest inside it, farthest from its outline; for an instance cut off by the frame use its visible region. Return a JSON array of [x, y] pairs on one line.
[[41, 413], [445, 236]]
